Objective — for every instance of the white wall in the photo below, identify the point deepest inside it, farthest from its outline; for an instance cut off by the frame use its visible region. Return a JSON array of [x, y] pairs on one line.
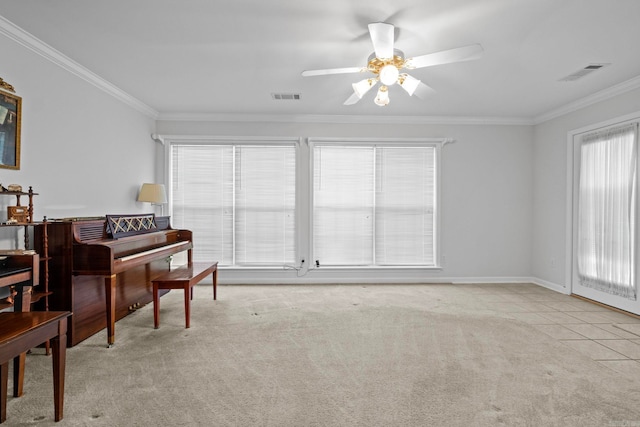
[[486, 197], [549, 257], [85, 152]]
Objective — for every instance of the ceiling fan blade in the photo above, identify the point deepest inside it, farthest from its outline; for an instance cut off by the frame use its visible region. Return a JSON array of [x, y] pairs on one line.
[[309, 73], [382, 38], [352, 99], [423, 91], [465, 53]]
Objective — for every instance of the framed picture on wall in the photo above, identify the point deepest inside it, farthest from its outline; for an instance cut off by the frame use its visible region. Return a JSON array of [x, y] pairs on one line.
[[10, 117]]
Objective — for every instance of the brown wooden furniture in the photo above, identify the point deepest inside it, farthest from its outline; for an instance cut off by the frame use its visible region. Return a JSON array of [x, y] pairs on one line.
[[20, 272], [20, 332], [101, 279], [184, 277], [23, 219], [40, 295], [32, 292]]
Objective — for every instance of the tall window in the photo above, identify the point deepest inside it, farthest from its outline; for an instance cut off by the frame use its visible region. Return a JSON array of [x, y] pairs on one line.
[[607, 210], [238, 199], [375, 204]]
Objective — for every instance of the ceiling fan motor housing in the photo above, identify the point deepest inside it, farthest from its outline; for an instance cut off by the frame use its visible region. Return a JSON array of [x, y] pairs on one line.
[[375, 64]]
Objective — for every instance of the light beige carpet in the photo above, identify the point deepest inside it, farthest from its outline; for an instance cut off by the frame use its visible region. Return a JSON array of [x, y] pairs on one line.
[[328, 355]]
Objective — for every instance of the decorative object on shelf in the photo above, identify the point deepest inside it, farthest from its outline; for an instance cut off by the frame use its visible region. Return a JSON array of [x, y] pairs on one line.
[[14, 187], [10, 118], [18, 213], [154, 194]]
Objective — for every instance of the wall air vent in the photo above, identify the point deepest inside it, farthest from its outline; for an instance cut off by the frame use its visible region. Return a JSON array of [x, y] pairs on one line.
[[286, 96], [583, 72]]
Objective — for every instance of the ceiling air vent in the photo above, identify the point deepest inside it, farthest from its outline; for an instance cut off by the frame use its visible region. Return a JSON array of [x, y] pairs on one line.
[[582, 72], [286, 96]]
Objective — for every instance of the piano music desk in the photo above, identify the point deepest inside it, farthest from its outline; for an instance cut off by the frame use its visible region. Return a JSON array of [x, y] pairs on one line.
[[20, 332], [184, 277]]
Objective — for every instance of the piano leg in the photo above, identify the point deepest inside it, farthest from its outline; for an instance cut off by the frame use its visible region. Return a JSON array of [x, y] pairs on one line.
[[110, 294]]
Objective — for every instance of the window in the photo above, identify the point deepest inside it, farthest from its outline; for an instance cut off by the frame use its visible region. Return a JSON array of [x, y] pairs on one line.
[[375, 203], [238, 198], [607, 210]]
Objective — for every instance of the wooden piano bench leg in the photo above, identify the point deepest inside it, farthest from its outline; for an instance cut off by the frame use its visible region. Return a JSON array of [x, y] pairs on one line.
[[188, 292], [156, 307], [214, 275]]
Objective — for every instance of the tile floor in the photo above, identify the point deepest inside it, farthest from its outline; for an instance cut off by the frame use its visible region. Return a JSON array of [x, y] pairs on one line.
[[612, 338]]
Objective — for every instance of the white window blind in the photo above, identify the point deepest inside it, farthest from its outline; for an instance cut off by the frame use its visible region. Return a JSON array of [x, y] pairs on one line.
[[238, 199], [375, 204], [343, 205]]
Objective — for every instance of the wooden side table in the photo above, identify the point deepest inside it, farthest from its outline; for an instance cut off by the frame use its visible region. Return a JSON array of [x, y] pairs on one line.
[[19, 332]]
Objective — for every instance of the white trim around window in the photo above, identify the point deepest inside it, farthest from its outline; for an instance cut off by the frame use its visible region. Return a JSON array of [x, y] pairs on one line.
[[365, 222]]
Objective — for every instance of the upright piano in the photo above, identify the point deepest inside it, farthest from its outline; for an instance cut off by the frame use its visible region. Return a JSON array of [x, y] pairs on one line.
[[100, 278]]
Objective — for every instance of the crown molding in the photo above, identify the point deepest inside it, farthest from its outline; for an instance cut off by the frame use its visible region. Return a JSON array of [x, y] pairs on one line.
[[602, 95], [345, 119], [29, 41]]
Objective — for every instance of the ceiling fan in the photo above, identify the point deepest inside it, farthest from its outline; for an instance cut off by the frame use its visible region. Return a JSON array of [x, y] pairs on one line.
[[387, 64]]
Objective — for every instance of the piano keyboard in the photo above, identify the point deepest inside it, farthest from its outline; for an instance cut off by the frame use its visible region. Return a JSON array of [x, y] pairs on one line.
[[151, 251]]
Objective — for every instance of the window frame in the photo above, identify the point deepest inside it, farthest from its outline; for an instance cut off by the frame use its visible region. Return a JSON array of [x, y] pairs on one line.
[[296, 142], [437, 143]]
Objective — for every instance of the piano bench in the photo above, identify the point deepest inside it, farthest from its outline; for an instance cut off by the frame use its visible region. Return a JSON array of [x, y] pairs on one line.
[[184, 277], [21, 331]]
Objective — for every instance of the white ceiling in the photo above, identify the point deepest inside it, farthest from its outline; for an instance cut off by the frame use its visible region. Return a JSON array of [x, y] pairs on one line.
[[198, 57]]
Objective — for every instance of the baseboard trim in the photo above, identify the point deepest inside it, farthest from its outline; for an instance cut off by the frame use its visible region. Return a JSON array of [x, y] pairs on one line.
[[551, 285], [264, 278], [488, 280]]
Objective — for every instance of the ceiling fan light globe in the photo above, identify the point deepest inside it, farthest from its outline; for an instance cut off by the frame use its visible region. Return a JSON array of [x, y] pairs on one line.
[[389, 74], [382, 98], [362, 87], [409, 84]]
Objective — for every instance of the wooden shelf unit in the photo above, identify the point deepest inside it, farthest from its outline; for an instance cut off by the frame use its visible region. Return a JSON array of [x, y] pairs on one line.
[[40, 294]]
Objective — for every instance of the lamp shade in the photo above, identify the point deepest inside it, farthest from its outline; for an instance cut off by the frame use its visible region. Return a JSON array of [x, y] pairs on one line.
[[382, 98], [362, 87], [152, 193]]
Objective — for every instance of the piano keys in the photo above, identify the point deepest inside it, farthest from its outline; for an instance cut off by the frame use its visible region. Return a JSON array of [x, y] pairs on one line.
[[101, 279]]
